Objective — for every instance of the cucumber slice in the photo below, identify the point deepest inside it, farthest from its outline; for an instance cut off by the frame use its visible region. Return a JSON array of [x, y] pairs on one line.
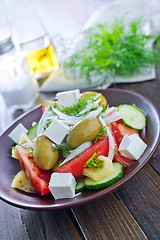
[[114, 177], [32, 132], [132, 116], [79, 186]]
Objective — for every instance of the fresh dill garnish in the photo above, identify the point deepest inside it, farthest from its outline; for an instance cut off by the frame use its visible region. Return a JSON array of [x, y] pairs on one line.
[[75, 109], [116, 153], [102, 134], [93, 162], [47, 124], [64, 149], [115, 49]]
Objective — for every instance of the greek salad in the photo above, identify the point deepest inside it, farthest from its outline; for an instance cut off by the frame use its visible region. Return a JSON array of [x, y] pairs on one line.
[[80, 142]]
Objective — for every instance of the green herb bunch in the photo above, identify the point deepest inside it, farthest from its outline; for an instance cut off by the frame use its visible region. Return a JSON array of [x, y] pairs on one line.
[[75, 109], [102, 134], [93, 162], [116, 49], [64, 149]]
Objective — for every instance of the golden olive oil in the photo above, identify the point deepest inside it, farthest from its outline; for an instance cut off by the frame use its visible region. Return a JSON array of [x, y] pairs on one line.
[[43, 61]]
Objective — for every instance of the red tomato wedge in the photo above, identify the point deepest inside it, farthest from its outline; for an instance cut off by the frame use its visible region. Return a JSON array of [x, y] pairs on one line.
[[119, 130], [40, 178], [76, 165], [126, 162], [43, 108]]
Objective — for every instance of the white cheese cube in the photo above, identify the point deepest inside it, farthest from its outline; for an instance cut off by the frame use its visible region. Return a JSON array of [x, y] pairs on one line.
[[17, 131], [62, 185], [132, 146], [68, 98], [57, 131]]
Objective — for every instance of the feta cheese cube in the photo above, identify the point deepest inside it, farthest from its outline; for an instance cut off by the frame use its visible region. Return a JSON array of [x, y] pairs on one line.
[[17, 131], [68, 98], [62, 185], [132, 146], [57, 131]]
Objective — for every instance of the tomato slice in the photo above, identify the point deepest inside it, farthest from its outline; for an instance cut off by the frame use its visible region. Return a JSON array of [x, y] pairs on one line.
[[119, 130], [126, 162], [76, 165], [40, 178], [43, 107]]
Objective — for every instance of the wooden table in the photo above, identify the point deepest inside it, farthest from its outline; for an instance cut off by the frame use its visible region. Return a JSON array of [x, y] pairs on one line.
[[131, 212]]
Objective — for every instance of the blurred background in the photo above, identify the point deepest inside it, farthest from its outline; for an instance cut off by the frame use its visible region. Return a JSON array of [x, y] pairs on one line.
[[32, 33]]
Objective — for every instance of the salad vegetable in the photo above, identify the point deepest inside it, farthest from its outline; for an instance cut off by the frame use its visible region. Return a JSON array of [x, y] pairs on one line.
[[132, 116], [106, 182], [39, 178], [88, 150], [79, 186], [99, 171]]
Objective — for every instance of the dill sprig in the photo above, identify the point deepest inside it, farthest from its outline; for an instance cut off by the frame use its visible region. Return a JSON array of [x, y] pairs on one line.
[[102, 134], [47, 124], [75, 109], [115, 49], [93, 162], [64, 149], [116, 152]]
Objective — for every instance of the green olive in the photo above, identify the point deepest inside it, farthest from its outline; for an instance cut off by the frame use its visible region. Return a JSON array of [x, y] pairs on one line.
[[85, 130], [45, 155]]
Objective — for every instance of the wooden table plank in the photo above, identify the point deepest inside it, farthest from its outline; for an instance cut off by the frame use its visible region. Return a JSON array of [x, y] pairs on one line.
[[155, 161], [49, 225], [18, 224], [149, 89], [141, 196], [108, 218], [12, 226], [134, 215]]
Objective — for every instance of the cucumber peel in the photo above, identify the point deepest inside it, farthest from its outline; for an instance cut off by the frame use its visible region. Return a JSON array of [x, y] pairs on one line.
[[106, 182], [79, 186], [132, 116], [32, 132]]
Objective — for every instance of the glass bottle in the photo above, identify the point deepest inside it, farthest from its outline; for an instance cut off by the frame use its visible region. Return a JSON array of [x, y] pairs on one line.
[[32, 40]]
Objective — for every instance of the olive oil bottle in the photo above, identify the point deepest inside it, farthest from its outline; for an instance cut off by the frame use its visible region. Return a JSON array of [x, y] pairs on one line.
[[33, 40], [43, 61]]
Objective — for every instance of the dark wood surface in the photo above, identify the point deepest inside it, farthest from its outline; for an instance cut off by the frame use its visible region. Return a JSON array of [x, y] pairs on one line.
[[131, 212]]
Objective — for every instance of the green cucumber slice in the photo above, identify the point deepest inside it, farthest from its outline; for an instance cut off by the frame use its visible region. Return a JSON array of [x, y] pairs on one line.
[[132, 116], [79, 186], [113, 178], [32, 132]]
